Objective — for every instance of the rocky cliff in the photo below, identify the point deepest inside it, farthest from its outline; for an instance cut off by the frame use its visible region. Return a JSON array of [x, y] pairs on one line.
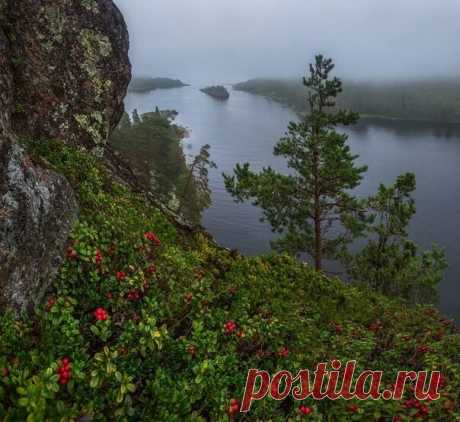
[[64, 71]]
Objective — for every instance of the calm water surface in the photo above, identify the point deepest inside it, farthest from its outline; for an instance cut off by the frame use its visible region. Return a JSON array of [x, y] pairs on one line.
[[245, 129]]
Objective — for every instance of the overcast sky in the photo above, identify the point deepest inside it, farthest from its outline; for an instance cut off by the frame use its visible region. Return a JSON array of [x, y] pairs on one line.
[[233, 40]]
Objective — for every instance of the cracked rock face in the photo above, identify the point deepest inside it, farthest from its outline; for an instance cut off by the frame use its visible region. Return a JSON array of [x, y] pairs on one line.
[[37, 209], [64, 71]]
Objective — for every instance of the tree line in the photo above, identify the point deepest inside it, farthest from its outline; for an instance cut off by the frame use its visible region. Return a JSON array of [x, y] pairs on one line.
[[435, 100]]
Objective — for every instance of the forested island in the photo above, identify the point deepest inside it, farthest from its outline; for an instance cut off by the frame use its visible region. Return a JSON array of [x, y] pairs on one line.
[[435, 100], [218, 91], [140, 85]]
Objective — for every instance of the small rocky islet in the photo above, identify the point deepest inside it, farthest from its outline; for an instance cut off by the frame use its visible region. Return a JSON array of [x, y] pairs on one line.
[[218, 91]]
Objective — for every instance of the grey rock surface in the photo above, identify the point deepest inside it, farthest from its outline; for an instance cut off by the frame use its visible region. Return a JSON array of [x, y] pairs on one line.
[[37, 209], [64, 71]]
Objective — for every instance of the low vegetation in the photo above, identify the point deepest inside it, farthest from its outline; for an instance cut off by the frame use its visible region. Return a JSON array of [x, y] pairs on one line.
[[145, 322]]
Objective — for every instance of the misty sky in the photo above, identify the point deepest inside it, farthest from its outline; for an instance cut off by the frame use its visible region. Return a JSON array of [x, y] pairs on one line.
[[220, 41]]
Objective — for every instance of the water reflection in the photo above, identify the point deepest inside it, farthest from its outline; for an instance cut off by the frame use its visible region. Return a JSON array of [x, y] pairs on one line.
[[409, 128]]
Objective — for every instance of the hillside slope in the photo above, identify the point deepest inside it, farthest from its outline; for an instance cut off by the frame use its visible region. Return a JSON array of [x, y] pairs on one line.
[[139, 315]]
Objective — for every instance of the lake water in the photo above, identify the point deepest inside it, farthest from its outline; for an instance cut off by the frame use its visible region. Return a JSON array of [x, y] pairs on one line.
[[245, 129]]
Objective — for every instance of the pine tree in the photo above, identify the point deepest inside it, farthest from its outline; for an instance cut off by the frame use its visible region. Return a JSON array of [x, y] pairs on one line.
[[391, 263], [304, 205], [196, 193], [136, 118], [125, 122]]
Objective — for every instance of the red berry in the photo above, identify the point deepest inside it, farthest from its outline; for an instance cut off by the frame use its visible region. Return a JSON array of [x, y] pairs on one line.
[[234, 407], [133, 295], [283, 352], [101, 314], [409, 403], [423, 349], [121, 275], [305, 410], [230, 326], [71, 253], [5, 371], [50, 303], [65, 371], [98, 257], [424, 409], [151, 269], [152, 238]]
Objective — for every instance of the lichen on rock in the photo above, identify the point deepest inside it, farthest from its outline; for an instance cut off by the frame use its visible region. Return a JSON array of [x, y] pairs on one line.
[[37, 209], [90, 5], [64, 72], [70, 58]]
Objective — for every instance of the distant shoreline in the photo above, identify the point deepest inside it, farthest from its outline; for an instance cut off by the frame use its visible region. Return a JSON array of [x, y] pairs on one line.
[[145, 85], [363, 116], [415, 99]]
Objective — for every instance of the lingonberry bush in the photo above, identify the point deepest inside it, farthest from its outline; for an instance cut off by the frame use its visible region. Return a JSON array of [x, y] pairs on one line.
[[146, 322]]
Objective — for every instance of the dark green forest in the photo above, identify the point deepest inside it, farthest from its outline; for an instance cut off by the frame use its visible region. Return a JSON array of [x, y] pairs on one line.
[[152, 144], [436, 100], [150, 84]]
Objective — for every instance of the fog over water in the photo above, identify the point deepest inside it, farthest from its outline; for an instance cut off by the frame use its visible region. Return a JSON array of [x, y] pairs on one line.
[[233, 40]]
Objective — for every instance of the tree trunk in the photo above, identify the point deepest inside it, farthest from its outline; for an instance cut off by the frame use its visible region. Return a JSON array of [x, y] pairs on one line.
[[187, 185], [317, 217], [318, 252]]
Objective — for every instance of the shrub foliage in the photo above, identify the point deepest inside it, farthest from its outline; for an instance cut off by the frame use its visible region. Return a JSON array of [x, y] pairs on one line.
[[136, 326]]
